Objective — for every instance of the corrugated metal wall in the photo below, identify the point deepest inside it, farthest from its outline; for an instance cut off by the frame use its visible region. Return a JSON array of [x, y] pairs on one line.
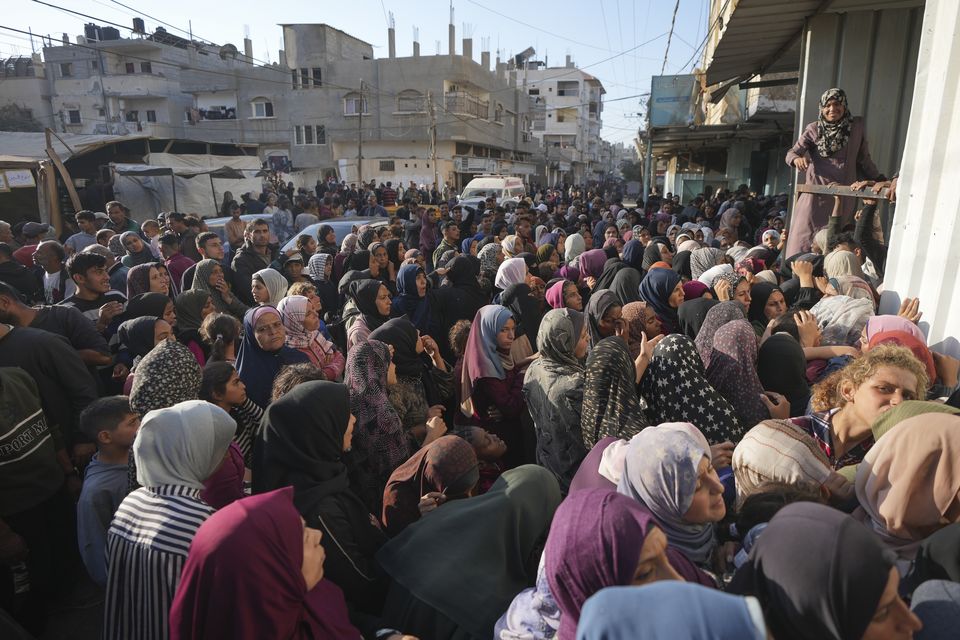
[[872, 56], [924, 259]]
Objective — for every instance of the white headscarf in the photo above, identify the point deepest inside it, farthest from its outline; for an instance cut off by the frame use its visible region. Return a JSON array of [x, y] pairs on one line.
[[182, 445], [275, 283], [511, 271], [708, 276]]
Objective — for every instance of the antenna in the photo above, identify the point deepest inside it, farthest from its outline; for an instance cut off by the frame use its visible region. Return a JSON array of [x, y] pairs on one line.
[[391, 22], [416, 34], [467, 30], [438, 47], [246, 31], [451, 11]]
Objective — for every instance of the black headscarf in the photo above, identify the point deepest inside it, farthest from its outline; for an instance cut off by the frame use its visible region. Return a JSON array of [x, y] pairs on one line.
[[302, 444], [137, 335], [692, 313], [364, 294], [626, 284], [526, 310], [611, 405], [599, 303], [359, 260], [611, 268], [402, 336], [818, 574], [782, 367], [681, 264], [633, 254], [322, 246], [760, 293], [651, 255], [391, 246], [150, 305]]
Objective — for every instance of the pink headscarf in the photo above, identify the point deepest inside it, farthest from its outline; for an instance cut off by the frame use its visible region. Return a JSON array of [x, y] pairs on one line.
[[887, 323], [555, 294]]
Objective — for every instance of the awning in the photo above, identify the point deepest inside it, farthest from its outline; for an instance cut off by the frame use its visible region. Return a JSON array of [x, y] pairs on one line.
[[147, 170], [27, 149], [670, 139], [763, 36]]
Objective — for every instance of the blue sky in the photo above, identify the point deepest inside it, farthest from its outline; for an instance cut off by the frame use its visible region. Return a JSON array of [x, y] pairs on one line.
[[589, 31]]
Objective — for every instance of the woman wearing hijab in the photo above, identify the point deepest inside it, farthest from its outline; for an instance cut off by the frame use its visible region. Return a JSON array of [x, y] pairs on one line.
[[564, 294], [302, 326], [842, 319], [306, 434], [512, 246], [611, 406], [908, 485], [617, 612], [137, 251], [208, 277], [412, 301], [640, 321], [686, 396], [525, 308], [510, 272], [372, 300], [591, 266], [380, 443], [491, 255], [733, 373], [175, 451], [781, 367], [678, 485], [604, 314], [766, 303], [497, 538], [192, 307], [662, 290], [574, 246], [716, 317], [152, 305], [265, 570], [832, 149], [553, 389], [347, 248], [692, 313], [268, 286], [459, 299], [702, 260], [145, 278], [491, 382], [444, 470], [320, 270], [263, 352], [821, 575]]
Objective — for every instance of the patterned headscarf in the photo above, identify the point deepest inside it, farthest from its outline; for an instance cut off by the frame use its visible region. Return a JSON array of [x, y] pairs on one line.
[[841, 319], [717, 316], [557, 338], [349, 244], [512, 246], [833, 136], [167, 375], [733, 371], [316, 267], [138, 279], [611, 406], [676, 390], [488, 257], [666, 482], [704, 259], [293, 310]]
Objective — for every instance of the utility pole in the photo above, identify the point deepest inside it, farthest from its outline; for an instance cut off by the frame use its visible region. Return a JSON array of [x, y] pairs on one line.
[[433, 141], [360, 138]]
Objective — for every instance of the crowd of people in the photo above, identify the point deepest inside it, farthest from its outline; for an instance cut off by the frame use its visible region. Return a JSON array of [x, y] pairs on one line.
[[568, 419]]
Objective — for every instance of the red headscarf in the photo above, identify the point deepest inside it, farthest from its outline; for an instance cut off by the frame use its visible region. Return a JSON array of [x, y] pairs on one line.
[[905, 339], [243, 579]]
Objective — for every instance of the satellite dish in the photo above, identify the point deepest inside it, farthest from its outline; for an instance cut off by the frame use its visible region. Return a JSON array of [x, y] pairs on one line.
[[228, 51]]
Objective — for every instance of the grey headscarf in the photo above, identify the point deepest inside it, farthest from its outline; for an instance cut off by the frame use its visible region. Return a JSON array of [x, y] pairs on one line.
[[558, 337], [182, 445], [600, 302], [704, 259]]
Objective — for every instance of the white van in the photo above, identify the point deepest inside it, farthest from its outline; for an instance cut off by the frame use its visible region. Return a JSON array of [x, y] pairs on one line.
[[503, 188]]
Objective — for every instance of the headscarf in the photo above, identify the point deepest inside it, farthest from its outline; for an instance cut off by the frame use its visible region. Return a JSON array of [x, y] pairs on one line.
[[349, 244], [201, 282], [366, 237], [717, 316], [554, 294], [526, 310], [782, 367], [592, 262], [842, 319], [909, 482], [833, 136], [402, 336], [573, 247], [557, 339], [189, 306], [147, 305], [853, 286], [379, 432], [611, 406], [711, 274], [760, 294], [138, 279], [303, 444], [256, 367], [666, 482], [316, 266], [733, 371], [488, 257], [778, 451], [322, 245], [364, 294], [626, 284], [632, 254], [275, 283], [616, 613], [651, 254], [688, 246], [511, 271], [681, 264], [937, 557], [655, 289], [244, 556], [829, 594], [408, 301], [137, 335], [692, 314], [905, 410], [496, 535], [702, 260], [676, 390], [293, 310], [600, 302], [634, 314], [842, 263], [448, 466], [885, 323], [594, 542], [512, 246], [168, 374], [141, 257], [767, 276], [726, 225], [693, 290], [393, 244], [182, 445], [482, 359]]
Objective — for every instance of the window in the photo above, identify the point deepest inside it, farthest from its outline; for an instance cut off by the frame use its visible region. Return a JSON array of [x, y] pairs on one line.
[[498, 113], [66, 69], [145, 67], [354, 104], [410, 101], [262, 109], [311, 134], [569, 88], [151, 115], [101, 112], [316, 77], [295, 77], [533, 92], [130, 67], [387, 165], [132, 116], [73, 116], [95, 65]]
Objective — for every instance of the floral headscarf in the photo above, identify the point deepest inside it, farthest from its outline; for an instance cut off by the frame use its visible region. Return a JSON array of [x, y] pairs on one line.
[[611, 406], [833, 136]]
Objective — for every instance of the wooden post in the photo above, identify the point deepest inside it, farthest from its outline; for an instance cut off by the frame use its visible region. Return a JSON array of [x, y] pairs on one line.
[[173, 182], [62, 169]]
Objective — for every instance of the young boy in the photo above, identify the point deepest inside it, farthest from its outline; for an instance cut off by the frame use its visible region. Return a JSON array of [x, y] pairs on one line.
[[151, 231], [111, 424], [87, 222]]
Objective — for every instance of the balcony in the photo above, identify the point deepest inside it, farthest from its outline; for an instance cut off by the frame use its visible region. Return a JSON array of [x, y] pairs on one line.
[[463, 103]]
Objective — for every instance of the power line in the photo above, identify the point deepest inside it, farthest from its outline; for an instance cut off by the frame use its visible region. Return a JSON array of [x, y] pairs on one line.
[[716, 23], [673, 22], [536, 28]]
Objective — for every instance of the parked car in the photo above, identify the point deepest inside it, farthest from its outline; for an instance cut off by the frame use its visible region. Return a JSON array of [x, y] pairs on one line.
[[341, 226]]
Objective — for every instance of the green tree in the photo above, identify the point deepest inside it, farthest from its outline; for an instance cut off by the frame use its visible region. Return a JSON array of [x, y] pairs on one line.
[[13, 117], [631, 171]]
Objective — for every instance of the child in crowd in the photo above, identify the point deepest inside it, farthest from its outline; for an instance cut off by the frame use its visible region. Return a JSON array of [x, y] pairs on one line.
[[151, 231], [112, 425]]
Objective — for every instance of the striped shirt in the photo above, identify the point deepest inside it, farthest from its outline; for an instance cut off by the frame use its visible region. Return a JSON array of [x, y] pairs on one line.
[[147, 547]]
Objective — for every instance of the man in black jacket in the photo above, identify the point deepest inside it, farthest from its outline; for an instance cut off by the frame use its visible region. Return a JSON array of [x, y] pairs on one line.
[[24, 280], [254, 255]]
